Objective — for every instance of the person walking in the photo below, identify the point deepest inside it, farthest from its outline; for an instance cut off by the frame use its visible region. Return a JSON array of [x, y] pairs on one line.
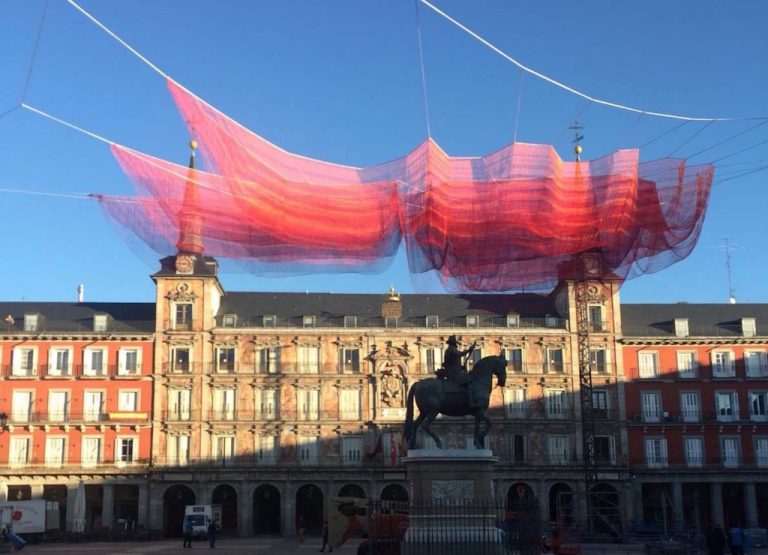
[[736, 539], [325, 537], [186, 530], [211, 533]]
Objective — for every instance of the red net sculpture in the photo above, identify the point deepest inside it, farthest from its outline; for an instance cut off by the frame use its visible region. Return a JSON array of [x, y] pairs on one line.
[[514, 219]]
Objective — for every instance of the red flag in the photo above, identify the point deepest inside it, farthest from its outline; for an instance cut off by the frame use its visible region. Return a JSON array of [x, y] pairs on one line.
[[392, 450], [376, 450], [403, 447]]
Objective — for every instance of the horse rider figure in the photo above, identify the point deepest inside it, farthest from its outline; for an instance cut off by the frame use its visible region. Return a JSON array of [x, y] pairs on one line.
[[456, 371]]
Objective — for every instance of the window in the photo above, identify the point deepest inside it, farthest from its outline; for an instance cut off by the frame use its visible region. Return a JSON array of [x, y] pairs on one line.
[[656, 452], [722, 364], [474, 358], [127, 401], [90, 454], [351, 450], [125, 451], [649, 364], [595, 318], [513, 320], [748, 327], [554, 360], [390, 322], [729, 450], [55, 451], [267, 404], [308, 321], [557, 449], [727, 406], [307, 450], [756, 363], [178, 450], [94, 362], [350, 321], [432, 321], [349, 404], [224, 404], [469, 442], [514, 359], [758, 405], [349, 361], [691, 407], [265, 451], [605, 450], [308, 404], [93, 406], [598, 360], [515, 402], [22, 406], [129, 362], [557, 402], [18, 455], [687, 364], [600, 404], [31, 322], [550, 321], [230, 320], [24, 361], [516, 448], [179, 402], [180, 361], [58, 405], [681, 327], [269, 360], [59, 361], [433, 359], [225, 359], [223, 448], [269, 321], [309, 360], [100, 323], [473, 321], [183, 316], [694, 452], [761, 452], [651, 403]]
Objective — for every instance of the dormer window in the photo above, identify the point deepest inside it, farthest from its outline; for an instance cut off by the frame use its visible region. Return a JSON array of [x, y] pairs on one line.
[[31, 322], [230, 320], [473, 321], [681, 327], [551, 321], [432, 321], [183, 316], [350, 321], [308, 321], [390, 322], [513, 320], [269, 321], [100, 323], [748, 327]]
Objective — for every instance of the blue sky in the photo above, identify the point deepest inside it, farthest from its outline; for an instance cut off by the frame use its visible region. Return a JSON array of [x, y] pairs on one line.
[[340, 80]]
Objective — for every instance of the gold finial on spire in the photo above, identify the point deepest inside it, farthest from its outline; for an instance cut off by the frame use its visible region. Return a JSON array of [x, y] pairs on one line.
[[578, 137]]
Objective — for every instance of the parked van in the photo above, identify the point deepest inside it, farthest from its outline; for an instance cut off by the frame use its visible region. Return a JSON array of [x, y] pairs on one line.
[[201, 515]]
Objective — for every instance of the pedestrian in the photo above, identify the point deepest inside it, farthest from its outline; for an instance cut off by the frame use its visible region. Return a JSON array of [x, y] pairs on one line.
[[186, 529], [716, 541], [212, 533], [301, 526], [325, 537], [736, 539], [17, 541]]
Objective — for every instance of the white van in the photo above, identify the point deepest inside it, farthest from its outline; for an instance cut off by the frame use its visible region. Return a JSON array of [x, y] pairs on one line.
[[202, 515]]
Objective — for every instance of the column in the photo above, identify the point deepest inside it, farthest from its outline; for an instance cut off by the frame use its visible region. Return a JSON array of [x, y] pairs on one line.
[[71, 493], [37, 491], [144, 507], [289, 510], [543, 497], [244, 510], [677, 501], [717, 504], [750, 498], [108, 506]]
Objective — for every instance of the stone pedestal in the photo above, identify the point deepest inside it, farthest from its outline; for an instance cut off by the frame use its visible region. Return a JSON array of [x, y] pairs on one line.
[[453, 504]]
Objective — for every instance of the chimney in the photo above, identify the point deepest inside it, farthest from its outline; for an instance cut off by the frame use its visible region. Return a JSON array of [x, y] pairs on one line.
[[80, 293]]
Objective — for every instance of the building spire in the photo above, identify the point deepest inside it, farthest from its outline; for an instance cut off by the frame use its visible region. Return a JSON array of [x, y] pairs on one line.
[[190, 226]]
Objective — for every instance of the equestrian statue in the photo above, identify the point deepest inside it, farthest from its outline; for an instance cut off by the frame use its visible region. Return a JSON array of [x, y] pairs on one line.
[[455, 392]]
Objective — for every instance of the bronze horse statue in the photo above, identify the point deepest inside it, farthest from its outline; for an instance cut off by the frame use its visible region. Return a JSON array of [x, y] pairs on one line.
[[434, 396]]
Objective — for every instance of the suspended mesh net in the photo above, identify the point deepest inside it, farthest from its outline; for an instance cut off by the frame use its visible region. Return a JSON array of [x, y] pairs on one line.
[[517, 218]]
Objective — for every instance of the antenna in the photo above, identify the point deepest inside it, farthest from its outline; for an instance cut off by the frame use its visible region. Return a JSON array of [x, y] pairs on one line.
[[726, 246], [577, 138]]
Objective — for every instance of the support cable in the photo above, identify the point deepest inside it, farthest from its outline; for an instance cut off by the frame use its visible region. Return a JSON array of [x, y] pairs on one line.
[[423, 71], [34, 53], [517, 111], [739, 134], [689, 139], [66, 123]]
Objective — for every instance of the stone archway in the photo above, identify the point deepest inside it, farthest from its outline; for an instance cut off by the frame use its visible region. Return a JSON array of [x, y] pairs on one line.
[[394, 492], [175, 499], [606, 510], [519, 494], [310, 506], [352, 490], [226, 496], [266, 510], [57, 493], [561, 505]]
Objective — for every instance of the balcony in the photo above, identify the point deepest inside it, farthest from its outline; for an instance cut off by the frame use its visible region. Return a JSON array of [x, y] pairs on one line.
[[222, 368], [67, 417], [40, 464], [180, 415], [180, 367], [225, 415]]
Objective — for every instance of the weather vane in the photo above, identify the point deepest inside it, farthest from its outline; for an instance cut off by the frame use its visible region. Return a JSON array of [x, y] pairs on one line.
[[577, 138]]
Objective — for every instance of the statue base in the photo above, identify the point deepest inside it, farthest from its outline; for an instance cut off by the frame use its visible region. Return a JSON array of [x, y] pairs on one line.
[[453, 503]]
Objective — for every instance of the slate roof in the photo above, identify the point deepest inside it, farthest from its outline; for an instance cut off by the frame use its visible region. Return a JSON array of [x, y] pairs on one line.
[[704, 320], [78, 317], [330, 308]]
